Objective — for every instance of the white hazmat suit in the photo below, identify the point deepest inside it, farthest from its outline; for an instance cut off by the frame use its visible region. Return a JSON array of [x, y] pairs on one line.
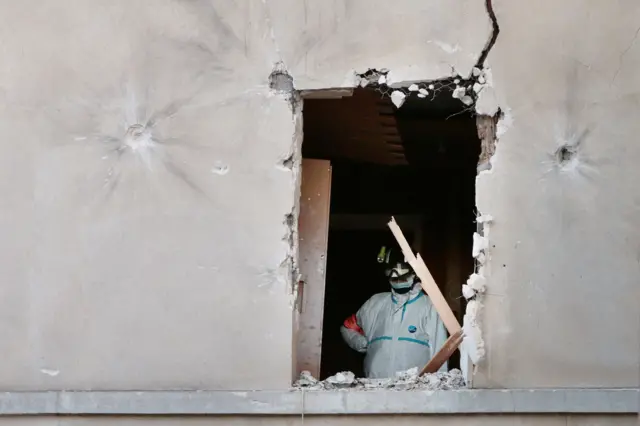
[[396, 331]]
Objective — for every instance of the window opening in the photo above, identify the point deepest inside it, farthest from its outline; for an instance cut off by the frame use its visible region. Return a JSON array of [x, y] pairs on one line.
[[417, 163]]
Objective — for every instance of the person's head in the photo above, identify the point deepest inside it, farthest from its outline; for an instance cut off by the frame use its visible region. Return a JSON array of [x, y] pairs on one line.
[[397, 270]]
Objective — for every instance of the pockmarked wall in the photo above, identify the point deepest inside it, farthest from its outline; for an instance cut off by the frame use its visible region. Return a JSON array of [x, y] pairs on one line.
[[561, 308], [142, 212], [149, 175]]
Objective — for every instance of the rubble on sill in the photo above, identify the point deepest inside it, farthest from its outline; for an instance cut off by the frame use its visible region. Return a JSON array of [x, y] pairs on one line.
[[404, 380]]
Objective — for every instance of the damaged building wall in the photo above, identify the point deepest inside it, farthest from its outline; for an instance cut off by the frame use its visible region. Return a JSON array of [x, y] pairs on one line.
[[145, 197], [561, 304], [324, 45], [149, 175]]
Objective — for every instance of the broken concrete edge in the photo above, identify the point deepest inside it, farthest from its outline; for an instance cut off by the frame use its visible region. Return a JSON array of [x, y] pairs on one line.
[[293, 161], [479, 79], [398, 89], [297, 402]]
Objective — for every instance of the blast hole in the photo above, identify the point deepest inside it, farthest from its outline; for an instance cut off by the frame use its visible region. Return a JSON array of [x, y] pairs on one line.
[[365, 160], [565, 154]]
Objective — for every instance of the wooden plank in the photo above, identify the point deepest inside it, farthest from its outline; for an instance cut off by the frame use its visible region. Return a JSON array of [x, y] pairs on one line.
[[426, 279], [313, 231], [402, 241], [443, 354]]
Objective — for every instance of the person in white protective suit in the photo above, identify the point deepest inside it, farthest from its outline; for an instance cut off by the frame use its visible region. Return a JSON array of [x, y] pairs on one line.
[[397, 330]]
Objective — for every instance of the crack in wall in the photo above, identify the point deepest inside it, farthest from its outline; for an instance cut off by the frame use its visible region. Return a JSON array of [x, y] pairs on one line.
[[466, 89], [494, 34], [624, 53]]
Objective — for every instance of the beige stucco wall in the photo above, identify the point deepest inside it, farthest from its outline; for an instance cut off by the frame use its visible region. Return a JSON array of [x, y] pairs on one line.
[[150, 269], [165, 264], [562, 308]]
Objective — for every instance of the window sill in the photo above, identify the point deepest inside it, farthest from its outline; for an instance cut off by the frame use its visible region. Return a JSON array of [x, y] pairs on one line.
[[296, 402]]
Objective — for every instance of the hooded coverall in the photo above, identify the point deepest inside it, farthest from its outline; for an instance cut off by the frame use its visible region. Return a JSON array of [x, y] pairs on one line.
[[396, 331]]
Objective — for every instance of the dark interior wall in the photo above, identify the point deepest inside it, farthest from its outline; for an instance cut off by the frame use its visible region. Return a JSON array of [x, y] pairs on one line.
[[442, 145], [372, 189], [369, 188]]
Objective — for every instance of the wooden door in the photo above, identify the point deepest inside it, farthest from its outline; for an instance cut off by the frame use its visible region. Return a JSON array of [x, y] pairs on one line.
[[313, 228]]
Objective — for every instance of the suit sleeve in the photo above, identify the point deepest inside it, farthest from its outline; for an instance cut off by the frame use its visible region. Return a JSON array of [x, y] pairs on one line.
[[353, 329], [355, 340]]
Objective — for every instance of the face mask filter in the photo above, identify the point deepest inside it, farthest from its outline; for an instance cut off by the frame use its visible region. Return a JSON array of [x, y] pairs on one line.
[[403, 290]]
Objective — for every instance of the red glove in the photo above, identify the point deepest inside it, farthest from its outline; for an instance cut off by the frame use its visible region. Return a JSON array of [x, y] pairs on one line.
[[352, 324]]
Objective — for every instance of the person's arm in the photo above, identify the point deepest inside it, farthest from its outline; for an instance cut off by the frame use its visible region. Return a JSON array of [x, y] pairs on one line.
[[353, 334], [354, 328]]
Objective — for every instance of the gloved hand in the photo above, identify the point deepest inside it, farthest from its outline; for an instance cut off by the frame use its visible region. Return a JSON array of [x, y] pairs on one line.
[[353, 334], [352, 324]]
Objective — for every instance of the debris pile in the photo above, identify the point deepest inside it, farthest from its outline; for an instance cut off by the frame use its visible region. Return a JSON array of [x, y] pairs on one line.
[[404, 380]]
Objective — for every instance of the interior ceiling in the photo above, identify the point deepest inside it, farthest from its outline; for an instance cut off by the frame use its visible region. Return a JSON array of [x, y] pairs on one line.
[[367, 128], [361, 127]]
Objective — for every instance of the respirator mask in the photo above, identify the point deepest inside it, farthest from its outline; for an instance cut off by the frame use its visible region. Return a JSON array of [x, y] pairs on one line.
[[397, 270]]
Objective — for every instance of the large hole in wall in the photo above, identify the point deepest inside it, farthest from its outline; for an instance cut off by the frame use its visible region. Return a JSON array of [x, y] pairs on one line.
[[365, 160]]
